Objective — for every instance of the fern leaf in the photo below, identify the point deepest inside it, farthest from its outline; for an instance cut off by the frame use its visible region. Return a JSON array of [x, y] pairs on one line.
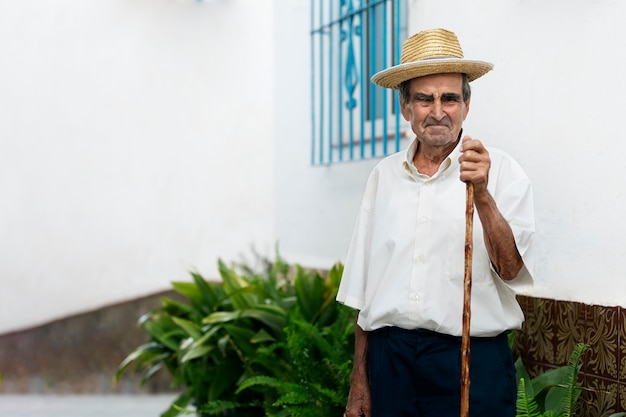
[[572, 388], [218, 407], [292, 398], [268, 381], [526, 406]]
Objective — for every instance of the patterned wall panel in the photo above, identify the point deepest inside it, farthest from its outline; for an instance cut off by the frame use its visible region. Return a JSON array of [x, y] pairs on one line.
[[554, 327]]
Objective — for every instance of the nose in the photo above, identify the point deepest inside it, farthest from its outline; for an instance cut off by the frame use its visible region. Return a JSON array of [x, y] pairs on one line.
[[437, 110]]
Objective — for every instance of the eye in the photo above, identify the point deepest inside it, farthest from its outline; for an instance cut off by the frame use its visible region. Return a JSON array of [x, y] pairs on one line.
[[423, 99], [451, 98]]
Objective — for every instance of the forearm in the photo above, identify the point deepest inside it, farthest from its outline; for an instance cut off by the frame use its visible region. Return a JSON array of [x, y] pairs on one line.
[[361, 347], [359, 400], [498, 237]]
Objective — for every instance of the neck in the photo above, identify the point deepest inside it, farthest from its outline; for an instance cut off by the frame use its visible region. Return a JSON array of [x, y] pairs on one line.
[[427, 160]]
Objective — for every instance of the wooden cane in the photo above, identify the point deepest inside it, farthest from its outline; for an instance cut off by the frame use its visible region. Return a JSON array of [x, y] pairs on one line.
[[467, 292]]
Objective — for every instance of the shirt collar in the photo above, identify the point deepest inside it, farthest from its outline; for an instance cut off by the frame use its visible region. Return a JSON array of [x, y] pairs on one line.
[[452, 161]]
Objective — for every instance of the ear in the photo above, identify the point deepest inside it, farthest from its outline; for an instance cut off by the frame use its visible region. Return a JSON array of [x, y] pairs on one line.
[[405, 110]]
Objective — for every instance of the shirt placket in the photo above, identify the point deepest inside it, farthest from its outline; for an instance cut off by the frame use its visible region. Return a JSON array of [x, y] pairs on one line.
[[421, 253]]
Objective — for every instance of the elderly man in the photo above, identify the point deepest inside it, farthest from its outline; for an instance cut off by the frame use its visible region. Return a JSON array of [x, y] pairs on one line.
[[404, 269]]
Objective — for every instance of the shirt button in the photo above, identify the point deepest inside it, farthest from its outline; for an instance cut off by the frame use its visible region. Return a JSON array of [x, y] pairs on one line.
[[423, 219], [414, 297]]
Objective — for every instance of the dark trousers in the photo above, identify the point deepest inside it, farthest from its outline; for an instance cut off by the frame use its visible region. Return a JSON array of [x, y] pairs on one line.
[[417, 373]]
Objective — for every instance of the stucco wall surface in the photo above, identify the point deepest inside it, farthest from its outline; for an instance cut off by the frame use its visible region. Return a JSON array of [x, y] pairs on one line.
[[136, 144], [554, 101], [142, 139]]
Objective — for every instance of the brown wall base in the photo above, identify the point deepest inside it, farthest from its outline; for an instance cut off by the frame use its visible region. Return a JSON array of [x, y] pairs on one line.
[[551, 331], [79, 354]]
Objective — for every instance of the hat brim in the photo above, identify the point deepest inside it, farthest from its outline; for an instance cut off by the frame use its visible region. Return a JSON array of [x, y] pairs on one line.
[[394, 76]]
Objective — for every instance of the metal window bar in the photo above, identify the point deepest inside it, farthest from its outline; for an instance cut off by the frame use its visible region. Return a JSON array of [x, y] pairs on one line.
[[351, 40]]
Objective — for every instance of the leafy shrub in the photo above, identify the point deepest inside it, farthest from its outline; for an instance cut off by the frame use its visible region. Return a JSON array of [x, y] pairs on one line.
[[272, 343], [320, 360]]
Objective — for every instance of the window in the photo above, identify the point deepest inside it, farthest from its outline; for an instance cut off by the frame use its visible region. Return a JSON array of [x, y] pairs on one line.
[[351, 40]]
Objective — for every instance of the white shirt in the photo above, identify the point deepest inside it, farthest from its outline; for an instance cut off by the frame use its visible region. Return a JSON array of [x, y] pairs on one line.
[[405, 264]]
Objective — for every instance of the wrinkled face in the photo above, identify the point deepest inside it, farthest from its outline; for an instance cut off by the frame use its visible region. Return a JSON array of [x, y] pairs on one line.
[[436, 109]]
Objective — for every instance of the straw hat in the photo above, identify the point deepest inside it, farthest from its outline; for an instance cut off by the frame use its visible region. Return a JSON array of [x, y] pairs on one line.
[[433, 51]]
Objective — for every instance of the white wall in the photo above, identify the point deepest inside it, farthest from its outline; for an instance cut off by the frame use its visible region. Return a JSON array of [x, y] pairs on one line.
[[136, 144], [315, 206], [142, 139], [554, 101]]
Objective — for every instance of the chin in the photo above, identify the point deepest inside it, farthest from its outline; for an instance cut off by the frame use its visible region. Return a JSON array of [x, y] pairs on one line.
[[439, 140]]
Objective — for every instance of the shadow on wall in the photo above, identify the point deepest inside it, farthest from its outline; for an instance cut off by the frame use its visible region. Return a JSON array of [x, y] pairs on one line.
[[80, 354]]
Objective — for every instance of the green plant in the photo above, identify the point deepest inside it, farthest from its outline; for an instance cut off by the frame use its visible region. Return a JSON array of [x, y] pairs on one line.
[[319, 349], [207, 342], [554, 393], [239, 344]]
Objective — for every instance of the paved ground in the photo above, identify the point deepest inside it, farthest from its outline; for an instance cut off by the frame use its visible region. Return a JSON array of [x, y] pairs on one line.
[[84, 405]]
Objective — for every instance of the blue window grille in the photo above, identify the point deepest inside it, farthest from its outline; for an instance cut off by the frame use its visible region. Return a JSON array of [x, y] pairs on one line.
[[352, 119]]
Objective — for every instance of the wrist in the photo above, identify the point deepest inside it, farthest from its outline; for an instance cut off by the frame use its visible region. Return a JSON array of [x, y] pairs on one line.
[[482, 197], [358, 373]]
